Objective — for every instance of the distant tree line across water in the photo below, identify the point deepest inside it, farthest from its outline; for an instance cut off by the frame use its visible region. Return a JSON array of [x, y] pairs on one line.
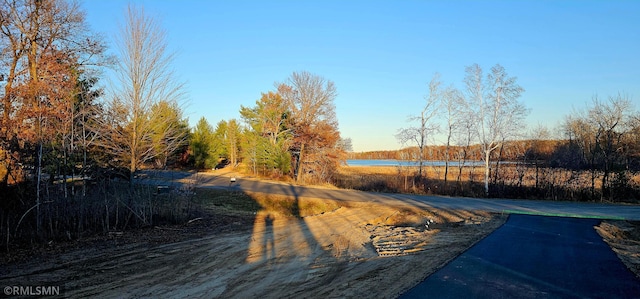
[[70, 149], [511, 151]]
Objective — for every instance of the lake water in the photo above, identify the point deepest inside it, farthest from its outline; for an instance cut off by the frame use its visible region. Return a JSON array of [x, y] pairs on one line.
[[407, 163]]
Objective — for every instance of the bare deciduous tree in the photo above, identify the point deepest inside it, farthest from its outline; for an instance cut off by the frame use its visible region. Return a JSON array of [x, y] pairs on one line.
[[453, 104], [610, 120], [498, 112], [345, 144], [420, 134], [464, 137], [598, 137], [144, 78], [535, 152]]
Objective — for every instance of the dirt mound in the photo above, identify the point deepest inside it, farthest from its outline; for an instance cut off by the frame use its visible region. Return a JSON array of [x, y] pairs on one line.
[[624, 239]]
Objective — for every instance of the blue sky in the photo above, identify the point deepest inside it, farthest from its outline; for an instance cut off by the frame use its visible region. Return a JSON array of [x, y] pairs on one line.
[[382, 54]]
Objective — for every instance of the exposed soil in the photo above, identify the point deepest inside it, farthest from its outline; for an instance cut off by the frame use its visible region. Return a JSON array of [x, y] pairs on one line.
[[624, 239], [357, 250]]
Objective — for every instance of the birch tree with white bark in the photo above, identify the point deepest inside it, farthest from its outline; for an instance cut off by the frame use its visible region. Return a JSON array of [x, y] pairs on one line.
[[495, 105]]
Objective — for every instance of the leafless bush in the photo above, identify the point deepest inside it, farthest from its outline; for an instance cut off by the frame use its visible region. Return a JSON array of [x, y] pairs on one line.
[[107, 206]]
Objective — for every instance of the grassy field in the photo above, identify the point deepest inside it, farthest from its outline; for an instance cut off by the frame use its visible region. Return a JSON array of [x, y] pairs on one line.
[[403, 179]]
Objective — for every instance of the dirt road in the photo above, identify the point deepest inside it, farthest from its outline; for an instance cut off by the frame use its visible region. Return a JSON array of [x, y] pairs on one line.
[[220, 179]]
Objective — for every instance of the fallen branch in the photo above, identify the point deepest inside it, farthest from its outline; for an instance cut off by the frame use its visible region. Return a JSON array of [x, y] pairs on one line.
[[194, 220]]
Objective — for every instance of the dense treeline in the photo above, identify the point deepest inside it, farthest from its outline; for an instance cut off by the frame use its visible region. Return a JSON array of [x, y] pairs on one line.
[[291, 131], [70, 149]]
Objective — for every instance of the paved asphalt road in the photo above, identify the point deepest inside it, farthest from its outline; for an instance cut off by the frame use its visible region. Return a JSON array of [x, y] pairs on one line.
[[556, 208], [534, 257]]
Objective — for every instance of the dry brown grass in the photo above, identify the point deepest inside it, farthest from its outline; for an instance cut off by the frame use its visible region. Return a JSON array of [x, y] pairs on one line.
[[431, 172], [513, 180], [290, 206]]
